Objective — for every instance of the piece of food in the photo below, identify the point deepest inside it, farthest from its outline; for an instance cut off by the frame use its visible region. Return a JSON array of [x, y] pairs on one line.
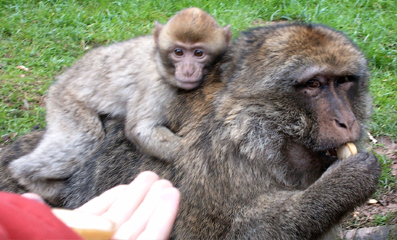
[[86, 225], [346, 151]]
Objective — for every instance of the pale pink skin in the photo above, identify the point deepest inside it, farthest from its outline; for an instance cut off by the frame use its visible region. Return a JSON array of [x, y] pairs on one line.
[[190, 61], [144, 209]]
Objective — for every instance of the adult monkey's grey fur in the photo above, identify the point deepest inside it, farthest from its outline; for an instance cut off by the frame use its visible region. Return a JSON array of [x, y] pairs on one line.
[[257, 133]]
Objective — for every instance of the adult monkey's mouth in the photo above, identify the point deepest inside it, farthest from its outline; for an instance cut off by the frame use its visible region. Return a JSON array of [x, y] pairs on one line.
[[341, 152]]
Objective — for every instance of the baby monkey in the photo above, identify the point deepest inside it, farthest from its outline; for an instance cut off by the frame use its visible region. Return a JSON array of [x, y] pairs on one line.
[[135, 79]]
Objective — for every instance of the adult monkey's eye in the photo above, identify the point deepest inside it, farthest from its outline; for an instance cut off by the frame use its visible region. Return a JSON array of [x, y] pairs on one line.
[[198, 53], [178, 52], [343, 79], [313, 83]]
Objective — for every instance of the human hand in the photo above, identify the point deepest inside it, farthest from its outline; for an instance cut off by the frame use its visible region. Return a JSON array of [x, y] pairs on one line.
[[144, 209]]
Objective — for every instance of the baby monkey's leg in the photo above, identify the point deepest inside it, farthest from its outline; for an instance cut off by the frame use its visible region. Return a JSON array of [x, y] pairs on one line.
[[73, 132]]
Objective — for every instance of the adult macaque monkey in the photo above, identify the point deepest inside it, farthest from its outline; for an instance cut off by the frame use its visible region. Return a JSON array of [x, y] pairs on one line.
[[255, 136], [135, 79]]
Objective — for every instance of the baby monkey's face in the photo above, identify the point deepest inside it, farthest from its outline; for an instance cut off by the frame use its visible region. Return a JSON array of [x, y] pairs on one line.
[[191, 63]]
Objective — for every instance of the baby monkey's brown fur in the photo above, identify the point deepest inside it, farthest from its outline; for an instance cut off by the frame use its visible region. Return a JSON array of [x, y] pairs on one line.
[[135, 79]]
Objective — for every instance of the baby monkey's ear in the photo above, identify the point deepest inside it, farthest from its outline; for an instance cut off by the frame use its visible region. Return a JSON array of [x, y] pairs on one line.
[[156, 31], [228, 34]]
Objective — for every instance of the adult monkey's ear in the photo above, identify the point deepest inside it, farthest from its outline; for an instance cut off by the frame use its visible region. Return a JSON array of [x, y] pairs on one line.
[[156, 31]]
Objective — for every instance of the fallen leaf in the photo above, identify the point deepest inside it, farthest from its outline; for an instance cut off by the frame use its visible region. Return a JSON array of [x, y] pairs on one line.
[[373, 140], [23, 68], [25, 104], [372, 201]]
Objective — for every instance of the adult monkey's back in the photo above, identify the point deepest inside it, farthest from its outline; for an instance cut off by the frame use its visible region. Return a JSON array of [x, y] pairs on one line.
[[258, 132]]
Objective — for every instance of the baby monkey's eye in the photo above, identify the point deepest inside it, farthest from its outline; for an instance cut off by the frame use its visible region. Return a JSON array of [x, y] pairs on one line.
[[313, 83], [178, 52], [198, 53]]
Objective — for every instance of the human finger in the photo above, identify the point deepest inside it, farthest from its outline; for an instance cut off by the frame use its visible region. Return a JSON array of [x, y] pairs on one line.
[[132, 228], [162, 220], [129, 200], [101, 203], [33, 196]]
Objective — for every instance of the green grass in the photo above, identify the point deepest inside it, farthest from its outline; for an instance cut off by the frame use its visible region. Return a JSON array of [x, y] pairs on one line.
[[47, 36], [387, 219], [387, 181]]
